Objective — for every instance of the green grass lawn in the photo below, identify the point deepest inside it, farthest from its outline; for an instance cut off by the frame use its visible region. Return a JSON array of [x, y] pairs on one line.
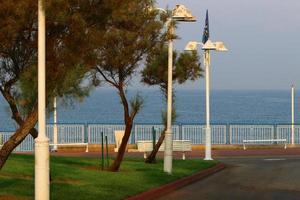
[[81, 178]]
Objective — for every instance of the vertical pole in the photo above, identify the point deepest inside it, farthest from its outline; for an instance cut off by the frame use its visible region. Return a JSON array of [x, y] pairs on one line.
[[106, 145], [153, 137], [293, 115], [168, 134], [102, 151], [54, 125], [207, 91], [42, 178]]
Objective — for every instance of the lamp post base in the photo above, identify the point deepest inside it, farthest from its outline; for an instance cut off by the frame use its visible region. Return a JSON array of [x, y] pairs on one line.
[[208, 143], [42, 177], [168, 157]]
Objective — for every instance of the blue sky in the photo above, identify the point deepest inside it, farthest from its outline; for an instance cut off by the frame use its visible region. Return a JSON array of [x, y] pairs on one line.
[[263, 37]]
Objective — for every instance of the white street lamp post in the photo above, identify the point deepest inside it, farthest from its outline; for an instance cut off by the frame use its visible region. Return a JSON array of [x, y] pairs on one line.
[[207, 47], [42, 142], [180, 13], [54, 125], [207, 91], [293, 115], [168, 134]]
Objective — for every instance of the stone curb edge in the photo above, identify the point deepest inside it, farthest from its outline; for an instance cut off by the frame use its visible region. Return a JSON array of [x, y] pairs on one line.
[[164, 189]]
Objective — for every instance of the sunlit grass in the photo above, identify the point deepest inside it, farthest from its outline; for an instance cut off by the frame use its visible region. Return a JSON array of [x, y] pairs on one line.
[[81, 178]]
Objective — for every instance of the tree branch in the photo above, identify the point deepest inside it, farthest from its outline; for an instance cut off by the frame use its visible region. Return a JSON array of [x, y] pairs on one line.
[[105, 77]]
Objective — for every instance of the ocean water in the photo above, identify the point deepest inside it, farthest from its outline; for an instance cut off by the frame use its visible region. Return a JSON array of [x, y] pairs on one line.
[[234, 107]]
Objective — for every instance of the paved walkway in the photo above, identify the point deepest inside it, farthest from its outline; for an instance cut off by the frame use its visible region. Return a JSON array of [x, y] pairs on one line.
[[200, 153], [247, 178]]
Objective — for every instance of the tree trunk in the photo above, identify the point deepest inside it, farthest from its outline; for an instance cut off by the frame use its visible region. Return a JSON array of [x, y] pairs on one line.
[[121, 151], [151, 158], [128, 119], [14, 109], [18, 136]]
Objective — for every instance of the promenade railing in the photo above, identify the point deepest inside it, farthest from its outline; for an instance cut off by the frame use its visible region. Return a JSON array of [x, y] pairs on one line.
[[221, 134]]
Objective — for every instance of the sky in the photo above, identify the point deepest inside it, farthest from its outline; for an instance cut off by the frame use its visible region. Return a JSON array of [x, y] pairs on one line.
[[263, 38]]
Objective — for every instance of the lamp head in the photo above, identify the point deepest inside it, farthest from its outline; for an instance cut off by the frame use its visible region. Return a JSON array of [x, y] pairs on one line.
[[220, 46], [181, 13], [191, 46], [209, 45]]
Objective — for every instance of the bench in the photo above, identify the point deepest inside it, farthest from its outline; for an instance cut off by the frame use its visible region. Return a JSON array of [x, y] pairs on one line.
[[178, 145], [71, 144], [266, 140]]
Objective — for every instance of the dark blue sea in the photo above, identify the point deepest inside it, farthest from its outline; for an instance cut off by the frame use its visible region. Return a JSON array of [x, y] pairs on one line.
[[227, 106]]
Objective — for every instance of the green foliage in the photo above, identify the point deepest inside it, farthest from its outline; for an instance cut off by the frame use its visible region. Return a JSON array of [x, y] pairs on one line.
[[187, 67], [136, 104], [73, 29], [83, 179], [131, 33]]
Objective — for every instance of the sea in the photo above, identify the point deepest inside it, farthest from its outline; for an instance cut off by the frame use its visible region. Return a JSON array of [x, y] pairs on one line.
[[103, 106]]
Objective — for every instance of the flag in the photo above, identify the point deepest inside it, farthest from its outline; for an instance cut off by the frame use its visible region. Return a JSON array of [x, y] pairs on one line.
[[205, 36]]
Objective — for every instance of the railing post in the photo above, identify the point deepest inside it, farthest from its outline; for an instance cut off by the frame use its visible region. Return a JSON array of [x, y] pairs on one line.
[[275, 133], [183, 133], [180, 131], [230, 134], [135, 134], [227, 134]]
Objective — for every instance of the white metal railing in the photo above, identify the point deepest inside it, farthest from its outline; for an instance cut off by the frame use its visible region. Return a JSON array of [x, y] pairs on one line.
[[144, 132], [67, 133], [238, 133], [221, 134], [285, 131], [26, 145], [196, 133], [94, 132]]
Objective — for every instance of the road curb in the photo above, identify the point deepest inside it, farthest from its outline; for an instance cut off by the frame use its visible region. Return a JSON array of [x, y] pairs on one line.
[[164, 189]]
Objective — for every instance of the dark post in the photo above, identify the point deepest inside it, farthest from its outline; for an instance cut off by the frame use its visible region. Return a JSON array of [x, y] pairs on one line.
[[102, 151], [153, 137], [106, 144]]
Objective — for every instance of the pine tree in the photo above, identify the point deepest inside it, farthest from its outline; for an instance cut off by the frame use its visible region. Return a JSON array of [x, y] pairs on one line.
[[73, 29], [132, 33], [187, 67]]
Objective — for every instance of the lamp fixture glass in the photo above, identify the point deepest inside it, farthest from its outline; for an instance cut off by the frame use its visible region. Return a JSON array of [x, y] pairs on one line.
[[181, 13]]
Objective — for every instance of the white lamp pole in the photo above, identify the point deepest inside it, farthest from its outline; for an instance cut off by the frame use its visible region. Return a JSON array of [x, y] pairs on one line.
[[54, 125], [179, 13], [293, 115], [42, 142], [168, 134], [207, 47], [207, 91]]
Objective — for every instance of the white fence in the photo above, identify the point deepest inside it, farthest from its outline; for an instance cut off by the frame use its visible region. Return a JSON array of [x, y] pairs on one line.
[[238, 133], [94, 132], [285, 132], [144, 132], [196, 133], [221, 134], [67, 133]]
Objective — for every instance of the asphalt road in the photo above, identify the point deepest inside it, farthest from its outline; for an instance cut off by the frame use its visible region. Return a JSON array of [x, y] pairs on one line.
[[276, 178]]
